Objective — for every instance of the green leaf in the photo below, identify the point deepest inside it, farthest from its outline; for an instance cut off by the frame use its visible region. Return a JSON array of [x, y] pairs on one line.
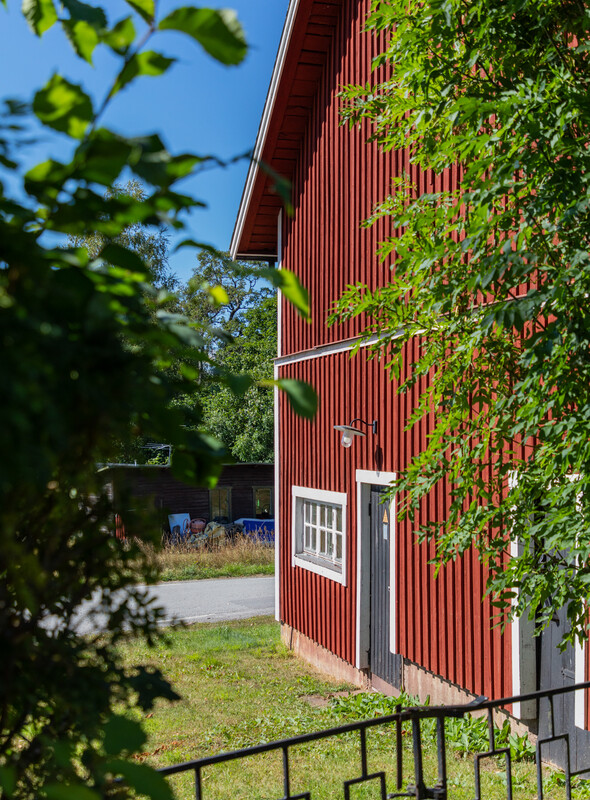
[[193, 243], [147, 63], [301, 396], [182, 165], [217, 31], [148, 682], [8, 780], [218, 295], [121, 256], [289, 285], [239, 384], [122, 735], [145, 8], [82, 12], [47, 177], [103, 156], [121, 36], [144, 779], [82, 36], [68, 791], [40, 14], [63, 106]]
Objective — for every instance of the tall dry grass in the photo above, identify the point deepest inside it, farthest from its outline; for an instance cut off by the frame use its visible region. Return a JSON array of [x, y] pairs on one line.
[[240, 557]]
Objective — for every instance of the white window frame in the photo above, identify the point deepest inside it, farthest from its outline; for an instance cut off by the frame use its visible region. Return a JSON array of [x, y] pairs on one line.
[[334, 570]]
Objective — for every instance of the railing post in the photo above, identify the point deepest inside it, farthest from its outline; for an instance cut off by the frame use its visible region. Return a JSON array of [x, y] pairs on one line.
[[441, 786], [420, 787], [400, 751]]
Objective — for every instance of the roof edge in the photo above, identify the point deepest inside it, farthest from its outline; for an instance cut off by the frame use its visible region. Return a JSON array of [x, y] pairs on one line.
[[263, 128]]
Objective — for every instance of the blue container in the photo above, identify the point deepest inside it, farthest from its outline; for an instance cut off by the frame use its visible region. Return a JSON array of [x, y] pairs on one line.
[[261, 529]]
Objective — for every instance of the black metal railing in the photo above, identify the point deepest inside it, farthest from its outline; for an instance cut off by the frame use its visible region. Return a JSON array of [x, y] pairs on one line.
[[550, 734]]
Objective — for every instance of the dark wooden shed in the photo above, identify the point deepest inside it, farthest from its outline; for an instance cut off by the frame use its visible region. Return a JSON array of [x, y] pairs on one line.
[[152, 492]]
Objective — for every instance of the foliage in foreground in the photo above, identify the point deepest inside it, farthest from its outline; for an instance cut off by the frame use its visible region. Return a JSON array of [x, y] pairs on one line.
[[87, 345], [494, 279]]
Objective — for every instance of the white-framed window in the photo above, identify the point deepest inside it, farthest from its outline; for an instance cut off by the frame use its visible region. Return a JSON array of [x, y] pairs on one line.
[[319, 531]]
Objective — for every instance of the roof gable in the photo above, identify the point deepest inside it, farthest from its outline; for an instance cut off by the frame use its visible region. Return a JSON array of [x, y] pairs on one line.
[[305, 43]]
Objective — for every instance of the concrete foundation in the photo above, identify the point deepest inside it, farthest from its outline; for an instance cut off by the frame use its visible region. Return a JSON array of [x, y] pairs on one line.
[[416, 680], [323, 659]]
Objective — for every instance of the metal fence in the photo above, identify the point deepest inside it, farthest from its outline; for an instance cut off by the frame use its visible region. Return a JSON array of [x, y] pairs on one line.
[[551, 735]]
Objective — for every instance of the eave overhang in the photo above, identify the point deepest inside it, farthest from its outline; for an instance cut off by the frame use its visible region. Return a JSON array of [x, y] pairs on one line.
[[305, 41]]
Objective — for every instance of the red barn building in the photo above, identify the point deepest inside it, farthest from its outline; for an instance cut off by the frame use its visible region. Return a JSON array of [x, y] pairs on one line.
[[355, 592]]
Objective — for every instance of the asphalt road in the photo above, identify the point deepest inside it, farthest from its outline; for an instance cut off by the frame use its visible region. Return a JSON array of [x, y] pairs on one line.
[[215, 600], [195, 601]]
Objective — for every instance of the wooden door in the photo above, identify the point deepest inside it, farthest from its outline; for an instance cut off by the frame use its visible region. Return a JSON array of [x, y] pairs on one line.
[[384, 664]]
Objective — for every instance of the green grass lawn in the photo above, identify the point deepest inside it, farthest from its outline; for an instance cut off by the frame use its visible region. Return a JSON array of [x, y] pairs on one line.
[[240, 686]]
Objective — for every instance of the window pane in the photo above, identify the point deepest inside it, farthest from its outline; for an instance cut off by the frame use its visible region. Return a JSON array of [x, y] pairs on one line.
[[338, 547], [263, 503], [220, 504], [318, 534]]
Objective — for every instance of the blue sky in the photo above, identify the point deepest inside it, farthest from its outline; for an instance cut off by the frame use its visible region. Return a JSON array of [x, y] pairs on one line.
[[198, 106]]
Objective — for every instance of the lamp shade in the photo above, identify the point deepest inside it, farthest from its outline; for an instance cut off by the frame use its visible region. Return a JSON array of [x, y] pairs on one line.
[[348, 433]]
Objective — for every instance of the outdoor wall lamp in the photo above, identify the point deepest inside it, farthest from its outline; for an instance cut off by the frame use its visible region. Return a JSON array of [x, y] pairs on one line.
[[349, 431]]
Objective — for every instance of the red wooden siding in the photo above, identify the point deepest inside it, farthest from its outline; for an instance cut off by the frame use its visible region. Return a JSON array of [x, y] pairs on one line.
[[443, 624]]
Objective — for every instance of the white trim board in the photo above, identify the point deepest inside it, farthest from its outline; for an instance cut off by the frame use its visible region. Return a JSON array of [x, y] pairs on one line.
[[524, 659], [327, 350], [579, 698], [277, 515], [280, 299], [364, 480]]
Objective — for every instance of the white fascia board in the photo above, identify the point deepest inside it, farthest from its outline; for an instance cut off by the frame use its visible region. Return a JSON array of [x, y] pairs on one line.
[[263, 129], [326, 350], [277, 475]]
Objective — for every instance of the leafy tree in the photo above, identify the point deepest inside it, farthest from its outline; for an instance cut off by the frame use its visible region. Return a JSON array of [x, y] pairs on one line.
[[220, 291], [151, 245], [85, 366], [494, 279], [246, 424], [228, 295]]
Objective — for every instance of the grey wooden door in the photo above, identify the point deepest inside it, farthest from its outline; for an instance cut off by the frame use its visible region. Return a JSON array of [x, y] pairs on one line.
[[384, 663], [558, 668]]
